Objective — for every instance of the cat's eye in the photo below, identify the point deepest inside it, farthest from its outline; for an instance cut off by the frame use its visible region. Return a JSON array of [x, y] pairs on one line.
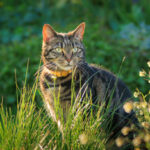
[[75, 49], [58, 49]]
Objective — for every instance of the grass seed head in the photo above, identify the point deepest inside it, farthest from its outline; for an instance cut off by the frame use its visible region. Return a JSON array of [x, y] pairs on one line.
[[136, 141], [128, 106], [145, 124], [148, 63], [142, 73], [83, 138], [135, 94], [143, 104], [119, 141], [125, 130], [141, 113], [147, 138], [135, 104]]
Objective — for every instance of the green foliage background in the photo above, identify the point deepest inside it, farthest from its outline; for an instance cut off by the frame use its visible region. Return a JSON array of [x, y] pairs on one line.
[[114, 30]]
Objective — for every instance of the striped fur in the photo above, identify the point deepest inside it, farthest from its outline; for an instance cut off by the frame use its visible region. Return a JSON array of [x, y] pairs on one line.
[[98, 81]]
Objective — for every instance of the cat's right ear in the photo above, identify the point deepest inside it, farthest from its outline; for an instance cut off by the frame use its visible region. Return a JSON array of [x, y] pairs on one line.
[[79, 31], [48, 33]]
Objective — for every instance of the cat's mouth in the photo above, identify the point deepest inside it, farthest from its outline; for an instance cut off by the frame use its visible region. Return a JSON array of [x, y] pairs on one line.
[[66, 67]]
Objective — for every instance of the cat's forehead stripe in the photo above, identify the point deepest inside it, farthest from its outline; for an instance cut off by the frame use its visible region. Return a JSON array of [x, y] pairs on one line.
[[66, 41]]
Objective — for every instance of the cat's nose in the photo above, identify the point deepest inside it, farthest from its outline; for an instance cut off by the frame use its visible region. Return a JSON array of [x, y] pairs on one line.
[[68, 57], [68, 60]]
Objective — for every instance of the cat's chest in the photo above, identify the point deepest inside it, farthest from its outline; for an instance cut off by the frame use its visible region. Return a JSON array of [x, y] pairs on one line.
[[65, 88], [59, 88], [60, 92]]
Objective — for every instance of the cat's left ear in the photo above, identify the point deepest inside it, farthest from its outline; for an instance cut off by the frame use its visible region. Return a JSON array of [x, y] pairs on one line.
[[79, 31]]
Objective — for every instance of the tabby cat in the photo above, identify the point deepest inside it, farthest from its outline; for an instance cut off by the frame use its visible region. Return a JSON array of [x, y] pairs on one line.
[[62, 53]]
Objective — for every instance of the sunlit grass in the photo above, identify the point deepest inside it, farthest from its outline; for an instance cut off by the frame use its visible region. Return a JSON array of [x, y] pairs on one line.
[[32, 128]]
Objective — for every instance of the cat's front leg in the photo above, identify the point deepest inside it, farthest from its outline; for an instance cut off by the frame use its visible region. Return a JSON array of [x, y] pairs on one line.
[[51, 111]]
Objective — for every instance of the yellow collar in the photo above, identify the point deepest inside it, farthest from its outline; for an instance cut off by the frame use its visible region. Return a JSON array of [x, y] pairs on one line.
[[60, 73]]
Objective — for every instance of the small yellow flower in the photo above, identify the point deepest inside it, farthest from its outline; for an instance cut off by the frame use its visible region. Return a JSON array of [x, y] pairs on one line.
[[128, 106], [119, 141], [148, 63], [135, 94], [141, 112], [135, 104], [138, 106], [136, 141], [83, 138], [142, 73], [125, 130], [145, 124], [143, 104], [147, 138]]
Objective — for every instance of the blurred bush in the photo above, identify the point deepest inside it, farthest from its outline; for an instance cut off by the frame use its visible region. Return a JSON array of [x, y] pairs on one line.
[[114, 29]]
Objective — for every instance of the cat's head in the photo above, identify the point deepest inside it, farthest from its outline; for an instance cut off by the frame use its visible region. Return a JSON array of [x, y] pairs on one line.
[[63, 51]]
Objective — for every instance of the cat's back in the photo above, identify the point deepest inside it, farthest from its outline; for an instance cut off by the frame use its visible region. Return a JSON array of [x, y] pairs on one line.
[[106, 82]]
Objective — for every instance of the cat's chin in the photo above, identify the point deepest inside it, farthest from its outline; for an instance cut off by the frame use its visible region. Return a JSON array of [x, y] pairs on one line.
[[66, 68]]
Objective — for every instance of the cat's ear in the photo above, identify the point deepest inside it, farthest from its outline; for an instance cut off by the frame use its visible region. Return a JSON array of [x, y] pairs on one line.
[[79, 31], [48, 33]]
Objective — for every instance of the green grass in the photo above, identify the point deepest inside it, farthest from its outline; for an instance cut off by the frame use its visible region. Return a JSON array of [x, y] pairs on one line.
[[32, 128], [113, 30]]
